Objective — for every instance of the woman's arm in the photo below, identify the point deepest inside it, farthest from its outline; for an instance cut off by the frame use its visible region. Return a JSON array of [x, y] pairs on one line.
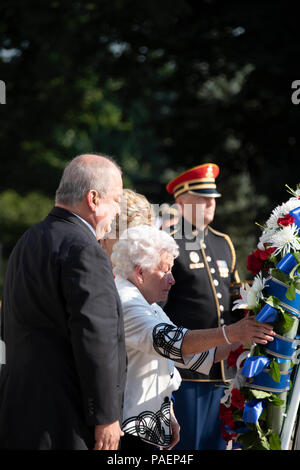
[[244, 331], [223, 351]]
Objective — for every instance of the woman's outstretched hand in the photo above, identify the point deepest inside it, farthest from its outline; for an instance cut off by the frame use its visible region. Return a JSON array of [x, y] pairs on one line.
[[250, 330]]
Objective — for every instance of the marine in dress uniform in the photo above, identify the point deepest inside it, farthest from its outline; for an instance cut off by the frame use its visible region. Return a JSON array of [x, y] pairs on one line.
[[204, 272]]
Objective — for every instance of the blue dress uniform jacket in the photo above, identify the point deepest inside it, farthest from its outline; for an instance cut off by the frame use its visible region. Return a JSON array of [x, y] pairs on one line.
[[200, 297]]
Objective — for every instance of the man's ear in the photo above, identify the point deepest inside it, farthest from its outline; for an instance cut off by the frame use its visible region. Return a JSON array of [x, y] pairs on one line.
[[139, 274], [92, 199]]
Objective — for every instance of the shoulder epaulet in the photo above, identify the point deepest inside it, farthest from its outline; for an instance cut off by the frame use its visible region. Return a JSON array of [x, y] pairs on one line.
[[229, 242]]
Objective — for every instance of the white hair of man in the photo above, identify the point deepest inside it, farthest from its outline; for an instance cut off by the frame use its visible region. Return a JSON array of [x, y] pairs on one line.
[[142, 246], [79, 178]]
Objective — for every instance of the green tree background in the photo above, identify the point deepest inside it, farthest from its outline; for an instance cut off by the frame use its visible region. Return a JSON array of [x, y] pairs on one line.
[[160, 86]]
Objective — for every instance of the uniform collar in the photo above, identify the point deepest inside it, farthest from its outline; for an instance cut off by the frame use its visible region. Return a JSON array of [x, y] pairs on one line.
[[189, 228]]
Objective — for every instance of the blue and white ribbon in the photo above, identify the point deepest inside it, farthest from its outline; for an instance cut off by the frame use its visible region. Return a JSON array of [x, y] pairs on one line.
[[264, 381], [296, 214], [282, 347], [267, 314], [278, 289], [252, 410], [254, 365], [287, 263]]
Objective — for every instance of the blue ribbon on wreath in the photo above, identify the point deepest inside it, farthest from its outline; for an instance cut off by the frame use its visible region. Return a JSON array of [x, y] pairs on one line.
[[296, 214], [252, 410], [254, 365]]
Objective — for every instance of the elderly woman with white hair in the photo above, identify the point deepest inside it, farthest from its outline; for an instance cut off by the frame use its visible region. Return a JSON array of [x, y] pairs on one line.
[[143, 260]]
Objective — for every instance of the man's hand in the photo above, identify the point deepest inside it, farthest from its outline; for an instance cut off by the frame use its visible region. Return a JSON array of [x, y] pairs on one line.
[[107, 436]]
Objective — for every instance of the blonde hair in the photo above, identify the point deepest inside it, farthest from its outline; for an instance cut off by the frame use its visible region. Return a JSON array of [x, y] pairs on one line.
[[135, 210]]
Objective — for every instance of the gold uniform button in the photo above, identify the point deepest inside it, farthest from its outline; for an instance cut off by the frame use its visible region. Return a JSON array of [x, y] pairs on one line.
[[194, 257]]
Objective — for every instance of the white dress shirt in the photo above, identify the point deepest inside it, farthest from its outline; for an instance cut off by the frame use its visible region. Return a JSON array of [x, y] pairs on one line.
[[86, 223]]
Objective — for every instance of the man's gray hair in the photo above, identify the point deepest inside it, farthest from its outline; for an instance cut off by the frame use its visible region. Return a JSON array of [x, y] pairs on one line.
[[142, 246], [78, 178]]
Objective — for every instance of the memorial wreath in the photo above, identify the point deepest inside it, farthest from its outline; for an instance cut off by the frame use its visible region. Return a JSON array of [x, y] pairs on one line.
[[259, 408]]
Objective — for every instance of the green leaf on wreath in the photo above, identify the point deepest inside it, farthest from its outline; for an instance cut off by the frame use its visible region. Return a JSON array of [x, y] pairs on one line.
[[257, 351], [253, 441], [263, 416], [280, 275], [292, 274], [284, 323], [291, 292], [264, 444], [256, 310], [248, 439], [297, 256], [274, 371], [275, 400], [273, 260], [273, 301], [275, 442], [259, 394]]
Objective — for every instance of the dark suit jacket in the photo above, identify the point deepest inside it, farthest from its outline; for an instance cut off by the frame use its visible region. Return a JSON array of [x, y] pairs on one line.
[[63, 328]]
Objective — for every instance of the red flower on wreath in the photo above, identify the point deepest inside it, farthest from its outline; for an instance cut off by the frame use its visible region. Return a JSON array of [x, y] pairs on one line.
[[257, 258], [226, 436], [226, 415], [237, 399], [288, 219], [232, 358]]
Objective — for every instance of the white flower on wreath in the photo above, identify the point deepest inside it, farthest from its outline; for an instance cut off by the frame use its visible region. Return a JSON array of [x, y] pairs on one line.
[[281, 211], [265, 238], [285, 240], [290, 205], [271, 223], [251, 295]]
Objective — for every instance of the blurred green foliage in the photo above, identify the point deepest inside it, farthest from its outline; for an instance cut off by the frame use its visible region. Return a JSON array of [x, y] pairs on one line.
[[17, 213], [160, 86]]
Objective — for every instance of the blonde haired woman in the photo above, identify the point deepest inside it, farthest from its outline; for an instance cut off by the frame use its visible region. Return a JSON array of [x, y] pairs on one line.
[[135, 210]]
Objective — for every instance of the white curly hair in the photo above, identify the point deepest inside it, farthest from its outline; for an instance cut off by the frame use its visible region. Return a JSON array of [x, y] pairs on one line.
[[142, 246]]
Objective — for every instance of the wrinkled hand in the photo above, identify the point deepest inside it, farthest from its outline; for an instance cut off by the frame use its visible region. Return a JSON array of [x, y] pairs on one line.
[[107, 436], [175, 430], [249, 330]]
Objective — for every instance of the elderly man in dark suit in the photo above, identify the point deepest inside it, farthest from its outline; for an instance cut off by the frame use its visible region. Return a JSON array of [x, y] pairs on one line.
[[63, 381]]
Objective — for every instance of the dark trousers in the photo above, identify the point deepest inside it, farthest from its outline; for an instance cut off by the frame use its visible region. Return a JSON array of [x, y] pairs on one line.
[[196, 407]]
